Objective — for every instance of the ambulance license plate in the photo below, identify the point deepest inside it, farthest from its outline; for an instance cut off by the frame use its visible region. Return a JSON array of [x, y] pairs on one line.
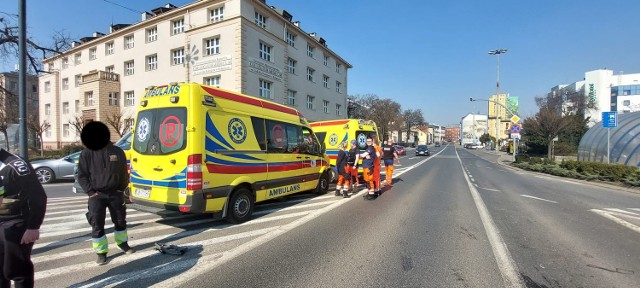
[[142, 193]]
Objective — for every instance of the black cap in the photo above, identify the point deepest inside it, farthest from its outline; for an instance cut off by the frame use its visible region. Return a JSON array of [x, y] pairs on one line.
[[95, 135]]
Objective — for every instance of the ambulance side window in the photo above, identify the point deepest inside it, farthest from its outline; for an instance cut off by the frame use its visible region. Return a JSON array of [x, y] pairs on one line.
[[258, 128], [276, 137], [312, 146]]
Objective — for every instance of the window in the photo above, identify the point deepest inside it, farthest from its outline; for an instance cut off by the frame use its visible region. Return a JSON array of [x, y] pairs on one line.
[[47, 109], [93, 53], [65, 107], [291, 98], [310, 50], [65, 130], [13, 85], [113, 98], [291, 39], [48, 133], [65, 63], [216, 14], [152, 62], [110, 69], [88, 98], [338, 68], [129, 98], [177, 26], [47, 87], [108, 48], [212, 81], [338, 85], [77, 59], [129, 42], [152, 34], [338, 110], [310, 74], [260, 20], [310, 100], [77, 103], [291, 66], [78, 80], [212, 46], [265, 89], [50, 67], [177, 56], [65, 83], [626, 102], [34, 88], [128, 123], [325, 106], [128, 68], [626, 92], [326, 60], [325, 81], [265, 51]]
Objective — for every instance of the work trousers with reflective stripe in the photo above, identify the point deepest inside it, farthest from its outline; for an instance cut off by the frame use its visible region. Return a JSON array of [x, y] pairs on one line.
[[376, 175], [388, 178], [367, 174], [343, 179], [354, 175], [97, 214], [15, 258]]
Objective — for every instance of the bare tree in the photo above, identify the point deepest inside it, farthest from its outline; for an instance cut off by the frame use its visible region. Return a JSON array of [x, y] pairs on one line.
[[77, 123], [547, 124], [412, 118], [9, 43], [116, 120], [385, 112], [38, 128], [8, 112]]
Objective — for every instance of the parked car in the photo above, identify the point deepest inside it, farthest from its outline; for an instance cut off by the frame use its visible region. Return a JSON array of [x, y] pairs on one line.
[[437, 144], [422, 150], [400, 150], [56, 169]]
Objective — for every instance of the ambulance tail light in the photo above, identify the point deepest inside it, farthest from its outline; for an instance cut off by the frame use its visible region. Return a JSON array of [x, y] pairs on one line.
[[194, 172]]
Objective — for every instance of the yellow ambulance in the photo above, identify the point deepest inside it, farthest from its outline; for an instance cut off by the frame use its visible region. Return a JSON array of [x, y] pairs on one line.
[[333, 132], [200, 149]]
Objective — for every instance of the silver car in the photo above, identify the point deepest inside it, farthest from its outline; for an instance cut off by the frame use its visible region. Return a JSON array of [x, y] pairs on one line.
[[56, 169]]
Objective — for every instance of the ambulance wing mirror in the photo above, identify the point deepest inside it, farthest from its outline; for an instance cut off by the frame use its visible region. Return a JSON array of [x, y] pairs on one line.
[[323, 148]]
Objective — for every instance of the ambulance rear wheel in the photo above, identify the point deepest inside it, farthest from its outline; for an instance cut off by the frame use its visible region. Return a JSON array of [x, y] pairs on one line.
[[323, 183], [240, 206]]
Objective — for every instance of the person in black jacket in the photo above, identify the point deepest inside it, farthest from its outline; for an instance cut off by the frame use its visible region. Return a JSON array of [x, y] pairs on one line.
[[102, 173], [343, 176], [23, 204]]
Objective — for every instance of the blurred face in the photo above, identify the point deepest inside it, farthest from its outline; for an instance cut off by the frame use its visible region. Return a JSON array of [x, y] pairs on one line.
[[369, 142]]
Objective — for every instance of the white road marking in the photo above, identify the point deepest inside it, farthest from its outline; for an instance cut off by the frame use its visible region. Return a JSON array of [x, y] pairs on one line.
[[508, 269], [537, 198], [634, 209], [617, 220], [621, 211], [496, 190]]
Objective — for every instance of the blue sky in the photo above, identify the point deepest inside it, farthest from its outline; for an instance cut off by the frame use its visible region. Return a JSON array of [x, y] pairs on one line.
[[430, 55]]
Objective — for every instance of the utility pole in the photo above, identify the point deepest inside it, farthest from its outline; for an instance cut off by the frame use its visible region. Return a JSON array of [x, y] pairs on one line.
[[22, 79], [497, 52]]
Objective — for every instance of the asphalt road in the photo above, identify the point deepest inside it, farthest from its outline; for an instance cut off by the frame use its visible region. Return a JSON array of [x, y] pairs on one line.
[[455, 219]]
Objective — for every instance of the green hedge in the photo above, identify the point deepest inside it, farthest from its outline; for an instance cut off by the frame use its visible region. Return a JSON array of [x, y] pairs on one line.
[[583, 170]]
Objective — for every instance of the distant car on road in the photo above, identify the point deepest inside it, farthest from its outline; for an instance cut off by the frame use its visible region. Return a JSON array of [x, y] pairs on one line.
[[422, 150], [51, 170], [400, 150], [437, 144]]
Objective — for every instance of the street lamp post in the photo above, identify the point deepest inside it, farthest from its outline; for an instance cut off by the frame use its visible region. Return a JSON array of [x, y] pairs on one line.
[[497, 52]]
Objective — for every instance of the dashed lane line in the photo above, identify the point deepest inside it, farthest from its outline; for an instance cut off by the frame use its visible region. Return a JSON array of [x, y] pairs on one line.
[[538, 198]]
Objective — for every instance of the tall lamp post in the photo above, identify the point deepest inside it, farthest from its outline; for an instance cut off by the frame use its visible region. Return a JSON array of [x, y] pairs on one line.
[[497, 52]]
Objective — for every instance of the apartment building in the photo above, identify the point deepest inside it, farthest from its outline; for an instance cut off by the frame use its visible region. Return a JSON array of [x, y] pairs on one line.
[[452, 134], [240, 45], [9, 108]]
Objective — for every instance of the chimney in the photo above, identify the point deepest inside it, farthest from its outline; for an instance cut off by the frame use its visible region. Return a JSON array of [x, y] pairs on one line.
[[75, 44], [98, 34], [296, 23], [146, 15], [313, 34]]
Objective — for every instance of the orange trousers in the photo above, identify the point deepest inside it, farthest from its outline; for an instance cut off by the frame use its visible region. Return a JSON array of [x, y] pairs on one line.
[[344, 181], [354, 175], [376, 175], [368, 178], [388, 178]]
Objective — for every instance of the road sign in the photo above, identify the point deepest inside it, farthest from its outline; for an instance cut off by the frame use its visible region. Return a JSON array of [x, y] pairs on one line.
[[515, 136], [610, 119], [515, 129], [515, 118]]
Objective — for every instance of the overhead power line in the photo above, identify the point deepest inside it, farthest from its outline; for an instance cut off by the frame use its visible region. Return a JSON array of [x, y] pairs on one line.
[[122, 6]]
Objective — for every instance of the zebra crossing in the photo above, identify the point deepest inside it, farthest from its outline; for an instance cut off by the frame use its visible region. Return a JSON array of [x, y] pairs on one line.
[[63, 256], [627, 217]]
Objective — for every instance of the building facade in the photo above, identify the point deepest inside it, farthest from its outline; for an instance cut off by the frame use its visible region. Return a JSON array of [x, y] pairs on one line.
[[473, 126], [602, 91], [501, 108], [241, 45], [9, 109], [452, 134]]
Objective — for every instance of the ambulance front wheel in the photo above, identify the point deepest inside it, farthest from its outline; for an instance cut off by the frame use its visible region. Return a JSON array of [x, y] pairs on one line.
[[240, 206], [323, 183]]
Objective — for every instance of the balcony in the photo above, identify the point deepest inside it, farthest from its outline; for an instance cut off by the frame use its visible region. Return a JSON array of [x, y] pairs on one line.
[[100, 76]]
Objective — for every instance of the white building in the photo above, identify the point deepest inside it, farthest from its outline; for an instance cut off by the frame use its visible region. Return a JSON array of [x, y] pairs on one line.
[[436, 134], [605, 91], [473, 126], [240, 45]]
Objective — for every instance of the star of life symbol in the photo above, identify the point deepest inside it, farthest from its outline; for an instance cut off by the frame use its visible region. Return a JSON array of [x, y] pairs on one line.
[[143, 129], [362, 140], [333, 139], [237, 130]]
